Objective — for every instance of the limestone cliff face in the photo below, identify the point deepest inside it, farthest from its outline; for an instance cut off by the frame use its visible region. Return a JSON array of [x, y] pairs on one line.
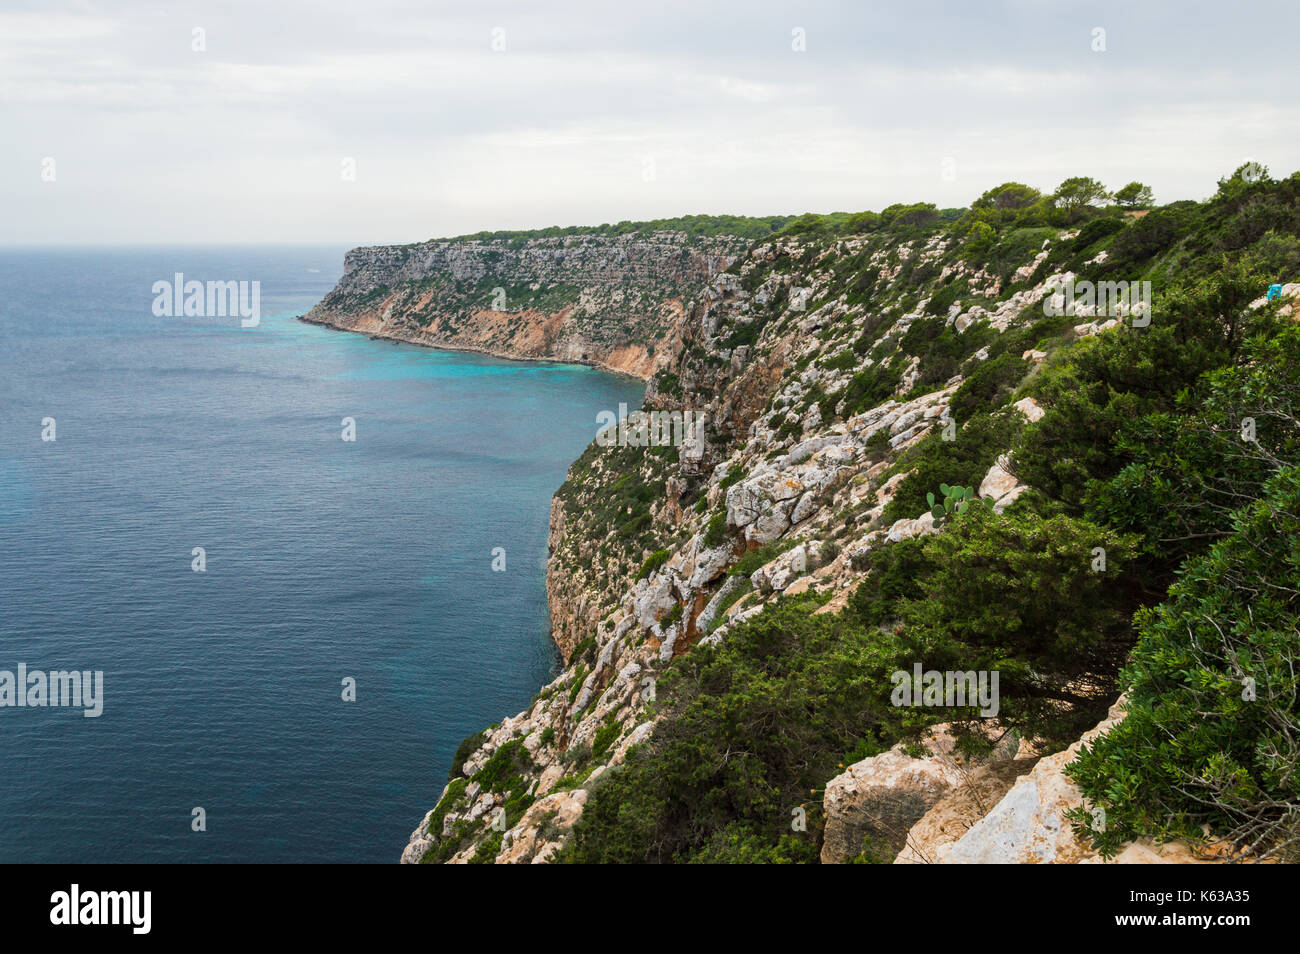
[[610, 301], [798, 359], [643, 541]]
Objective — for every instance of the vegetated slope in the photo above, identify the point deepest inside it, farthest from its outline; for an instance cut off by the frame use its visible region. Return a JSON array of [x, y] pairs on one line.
[[731, 622], [609, 295]]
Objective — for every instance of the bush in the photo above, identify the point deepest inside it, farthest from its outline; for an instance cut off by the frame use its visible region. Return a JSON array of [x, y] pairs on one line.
[[1094, 232], [1212, 735], [753, 725], [1187, 471], [989, 386], [944, 299], [844, 361], [736, 845], [934, 461], [870, 387], [466, 748], [653, 562], [1017, 248], [1155, 232], [715, 532], [1110, 380], [504, 771], [893, 573], [1026, 597], [605, 736]]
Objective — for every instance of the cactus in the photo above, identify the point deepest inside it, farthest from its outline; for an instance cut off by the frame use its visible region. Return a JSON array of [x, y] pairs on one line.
[[955, 500]]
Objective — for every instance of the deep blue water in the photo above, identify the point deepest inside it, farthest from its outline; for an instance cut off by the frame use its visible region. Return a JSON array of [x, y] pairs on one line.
[[325, 560]]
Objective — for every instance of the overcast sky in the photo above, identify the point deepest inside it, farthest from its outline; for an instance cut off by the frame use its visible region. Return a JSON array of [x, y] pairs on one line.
[[607, 110]]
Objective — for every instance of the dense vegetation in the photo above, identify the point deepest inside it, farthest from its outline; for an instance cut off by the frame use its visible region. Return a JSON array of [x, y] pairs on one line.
[[1139, 457], [1212, 738], [1156, 552], [695, 226]]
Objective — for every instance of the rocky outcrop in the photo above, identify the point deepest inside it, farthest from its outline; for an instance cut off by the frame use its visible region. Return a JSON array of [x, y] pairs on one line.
[[527, 843], [1011, 813], [1028, 825], [613, 301], [965, 804], [873, 805]]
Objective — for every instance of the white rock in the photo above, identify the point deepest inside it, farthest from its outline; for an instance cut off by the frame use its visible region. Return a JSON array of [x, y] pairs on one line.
[[1030, 408], [1028, 826], [881, 798], [998, 482]]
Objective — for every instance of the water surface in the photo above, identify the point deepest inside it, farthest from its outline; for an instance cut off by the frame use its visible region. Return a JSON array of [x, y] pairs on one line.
[[326, 559]]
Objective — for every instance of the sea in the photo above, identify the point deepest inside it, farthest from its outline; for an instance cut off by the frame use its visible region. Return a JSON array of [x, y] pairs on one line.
[[303, 563]]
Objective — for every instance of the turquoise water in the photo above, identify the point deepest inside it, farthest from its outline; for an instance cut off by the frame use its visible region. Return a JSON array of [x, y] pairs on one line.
[[325, 560]]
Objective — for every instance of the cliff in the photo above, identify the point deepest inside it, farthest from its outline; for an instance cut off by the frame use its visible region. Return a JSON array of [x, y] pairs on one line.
[[613, 301], [653, 553], [897, 412]]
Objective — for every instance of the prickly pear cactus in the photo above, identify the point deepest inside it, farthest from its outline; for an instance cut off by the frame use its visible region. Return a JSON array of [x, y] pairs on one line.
[[955, 500]]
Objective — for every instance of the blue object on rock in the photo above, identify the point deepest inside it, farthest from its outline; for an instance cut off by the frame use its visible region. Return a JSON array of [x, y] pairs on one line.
[[1274, 291]]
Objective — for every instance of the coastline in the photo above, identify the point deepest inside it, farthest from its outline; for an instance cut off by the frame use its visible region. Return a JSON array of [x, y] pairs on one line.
[[470, 349]]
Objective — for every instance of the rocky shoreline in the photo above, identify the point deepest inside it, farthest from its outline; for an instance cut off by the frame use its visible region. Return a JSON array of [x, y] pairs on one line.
[[334, 325]]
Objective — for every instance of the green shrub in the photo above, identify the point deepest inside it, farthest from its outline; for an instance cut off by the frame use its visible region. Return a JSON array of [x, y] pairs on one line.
[[487, 850], [715, 532], [455, 789], [505, 769], [736, 845], [870, 387], [893, 573], [934, 461], [653, 562], [1018, 247], [734, 474], [945, 298], [1094, 232], [989, 386], [1026, 597], [1212, 735], [1155, 232], [753, 726], [605, 736], [844, 361], [1110, 380], [466, 748]]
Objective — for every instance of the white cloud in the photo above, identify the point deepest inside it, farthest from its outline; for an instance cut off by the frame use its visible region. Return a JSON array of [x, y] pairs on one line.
[[156, 142]]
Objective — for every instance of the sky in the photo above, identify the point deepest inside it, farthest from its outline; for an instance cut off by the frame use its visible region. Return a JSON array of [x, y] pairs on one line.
[[382, 122]]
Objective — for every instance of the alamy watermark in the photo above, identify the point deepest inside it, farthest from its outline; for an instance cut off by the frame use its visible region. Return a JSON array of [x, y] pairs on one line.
[[194, 299], [946, 689], [37, 689], [1102, 299], [78, 906], [681, 429]]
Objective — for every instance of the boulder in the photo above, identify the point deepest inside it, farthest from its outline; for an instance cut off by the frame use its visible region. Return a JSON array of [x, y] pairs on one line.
[[954, 814], [1028, 825], [1030, 408], [905, 528], [782, 571], [874, 803], [420, 842]]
